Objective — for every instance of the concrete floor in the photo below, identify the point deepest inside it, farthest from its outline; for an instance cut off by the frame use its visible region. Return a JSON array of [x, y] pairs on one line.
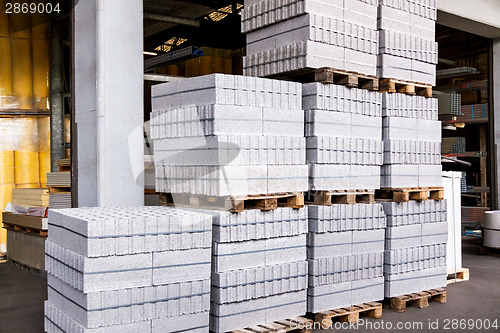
[[22, 294]]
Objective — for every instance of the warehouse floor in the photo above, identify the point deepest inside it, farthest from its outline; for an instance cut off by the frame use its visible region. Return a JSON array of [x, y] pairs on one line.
[[22, 295]]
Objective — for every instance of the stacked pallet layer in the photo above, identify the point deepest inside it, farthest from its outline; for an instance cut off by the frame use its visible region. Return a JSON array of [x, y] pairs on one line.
[[343, 135], [412, 141], [291, 35], [408, 50], [224, 135], [415, 246], [130, 269], [473, 112], [259, 268], [345, 255]]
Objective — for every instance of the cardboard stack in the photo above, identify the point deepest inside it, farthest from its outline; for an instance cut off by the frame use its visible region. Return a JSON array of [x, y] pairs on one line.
[[290, 35], [222, 135], [412, 141], [415, 246], [408, 50], [344, 137], [345, 255], [128, 269], [259, 268]]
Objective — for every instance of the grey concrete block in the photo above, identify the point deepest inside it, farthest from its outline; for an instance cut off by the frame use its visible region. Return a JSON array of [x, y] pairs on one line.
[[329, 297], [368, 290], [232, 316]]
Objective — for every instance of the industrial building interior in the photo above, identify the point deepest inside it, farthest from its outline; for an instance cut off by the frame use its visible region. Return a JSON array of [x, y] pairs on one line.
[[42, 75]]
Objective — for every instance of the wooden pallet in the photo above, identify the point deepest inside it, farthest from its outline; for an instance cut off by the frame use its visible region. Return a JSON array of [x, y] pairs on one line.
[[405, 87], [331, 75], [41, 272], [297, 324], [410, 193], [41, 233], [236, 203], [348, 314], [420, 300], [327, 198], [460, 275]]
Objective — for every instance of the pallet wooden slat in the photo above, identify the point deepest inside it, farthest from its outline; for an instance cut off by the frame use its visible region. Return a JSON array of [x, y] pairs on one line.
[[331, 75], [405, 87], [420, 299], [41, 233], [327, 198], [348, 314], [235, 204], [296, 324], [407, 194]]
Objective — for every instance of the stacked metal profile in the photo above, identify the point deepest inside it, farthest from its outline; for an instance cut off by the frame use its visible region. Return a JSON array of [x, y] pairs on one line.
[[259, 267], [412, 141], [408, 50], [222, 135], [463, 182], [415, 246], [452, 145], [449, 103], [343, 132], [128, 269], [345, 255], [290, 35]]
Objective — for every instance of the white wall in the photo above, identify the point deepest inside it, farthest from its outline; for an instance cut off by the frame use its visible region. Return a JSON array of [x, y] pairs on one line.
[[480, 17]]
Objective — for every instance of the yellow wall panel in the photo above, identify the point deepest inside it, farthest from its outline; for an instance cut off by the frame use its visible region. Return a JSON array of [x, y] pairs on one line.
[[22, 75], [20, 25], [5, 70], [26, 167], [44, 160], [39, 27], [6, 167], [40, 74]]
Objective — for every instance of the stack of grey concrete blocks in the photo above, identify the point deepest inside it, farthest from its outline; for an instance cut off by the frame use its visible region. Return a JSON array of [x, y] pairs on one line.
[[290, 35], [343, 136], [259, 267], [408, 50], [128, 269], [222, 135], [412, 141], [415, 246], [345, 255]]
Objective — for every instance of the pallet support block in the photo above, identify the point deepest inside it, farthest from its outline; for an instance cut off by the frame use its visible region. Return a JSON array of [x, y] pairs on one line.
[[348, 314], [420, 300]]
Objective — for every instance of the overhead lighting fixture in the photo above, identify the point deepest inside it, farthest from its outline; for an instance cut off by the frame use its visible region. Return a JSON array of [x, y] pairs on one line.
[[150, 53], [172, 56]]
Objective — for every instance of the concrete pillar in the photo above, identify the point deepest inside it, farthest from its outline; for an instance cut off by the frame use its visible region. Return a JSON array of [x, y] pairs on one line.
[[108, 150], [496, 116]]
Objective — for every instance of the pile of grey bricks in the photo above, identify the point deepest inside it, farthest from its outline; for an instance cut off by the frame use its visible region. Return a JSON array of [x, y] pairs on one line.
[[224, 135], [345, 255], [408, 50], [221, 135], [259, 267], [290, 35], [343, 129], [128, 269], [412, 141], [415, 246]]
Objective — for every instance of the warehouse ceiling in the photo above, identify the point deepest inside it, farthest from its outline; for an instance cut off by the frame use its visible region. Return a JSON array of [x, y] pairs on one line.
[[171, 24]]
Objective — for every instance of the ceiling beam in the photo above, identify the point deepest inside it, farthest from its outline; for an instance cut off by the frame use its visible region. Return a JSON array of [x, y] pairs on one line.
[[172, 19]]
